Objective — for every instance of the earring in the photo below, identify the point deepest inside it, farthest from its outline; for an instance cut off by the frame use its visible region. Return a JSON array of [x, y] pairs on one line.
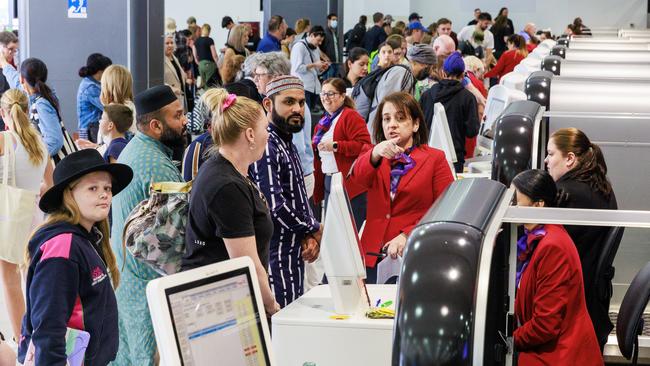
[[252, 146]]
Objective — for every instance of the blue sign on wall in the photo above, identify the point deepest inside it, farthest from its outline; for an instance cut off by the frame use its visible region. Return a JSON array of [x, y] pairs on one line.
[[78, 9]]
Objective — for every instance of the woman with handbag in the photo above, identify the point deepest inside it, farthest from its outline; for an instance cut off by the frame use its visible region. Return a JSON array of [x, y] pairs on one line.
[[43, 103], [25, 162], [228, 216], [72, 271]]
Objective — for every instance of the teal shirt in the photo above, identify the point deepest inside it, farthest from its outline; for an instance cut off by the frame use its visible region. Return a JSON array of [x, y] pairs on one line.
[[151, 162]]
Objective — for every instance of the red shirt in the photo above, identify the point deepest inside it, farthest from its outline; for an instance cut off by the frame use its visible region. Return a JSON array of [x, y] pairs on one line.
[[350, 134], [554, 325], [506, 64], [416, 192]]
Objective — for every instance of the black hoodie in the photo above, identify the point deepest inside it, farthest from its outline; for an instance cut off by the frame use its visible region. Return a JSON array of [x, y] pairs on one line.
[[68, 287], [460, 107]]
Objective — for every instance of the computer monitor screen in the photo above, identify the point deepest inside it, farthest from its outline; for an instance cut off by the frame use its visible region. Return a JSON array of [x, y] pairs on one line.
[[440, 135], [495, 108], [217, 318]]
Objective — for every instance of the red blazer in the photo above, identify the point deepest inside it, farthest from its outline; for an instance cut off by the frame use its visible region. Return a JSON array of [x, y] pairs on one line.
[[506, 64], [416, 192], [351, 134], [555, 328]]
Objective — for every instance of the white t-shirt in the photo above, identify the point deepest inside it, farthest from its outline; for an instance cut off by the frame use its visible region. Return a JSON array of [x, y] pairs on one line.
[[465, 34], [328, 162]]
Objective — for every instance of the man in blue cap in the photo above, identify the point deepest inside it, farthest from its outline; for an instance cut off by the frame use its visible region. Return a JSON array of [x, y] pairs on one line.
[[415, 32], [460, 105]]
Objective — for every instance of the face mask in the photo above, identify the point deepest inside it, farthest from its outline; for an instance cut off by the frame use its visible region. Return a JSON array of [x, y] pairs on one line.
[[334, 24], [283, 122]]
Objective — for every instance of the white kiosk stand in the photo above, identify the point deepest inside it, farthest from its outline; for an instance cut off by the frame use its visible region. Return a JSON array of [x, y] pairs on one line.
[[327, 325]]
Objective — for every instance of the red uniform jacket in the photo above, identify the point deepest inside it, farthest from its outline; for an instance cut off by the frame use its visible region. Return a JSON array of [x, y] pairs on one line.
[[351, 134], [555, 328], [506, 64], [416, 192]]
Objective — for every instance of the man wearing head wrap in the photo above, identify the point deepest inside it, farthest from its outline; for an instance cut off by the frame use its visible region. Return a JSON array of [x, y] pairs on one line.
[[423, 65], [160, 122], [460, 105], [296, 233]]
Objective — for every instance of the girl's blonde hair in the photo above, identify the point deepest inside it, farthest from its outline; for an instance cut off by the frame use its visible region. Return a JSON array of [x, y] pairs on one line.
[[15, 103], [117, 85], [69, 212], [227, 125]]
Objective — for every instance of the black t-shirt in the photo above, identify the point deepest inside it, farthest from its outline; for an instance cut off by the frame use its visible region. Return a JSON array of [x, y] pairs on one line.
[[202, 45], [224, 204]]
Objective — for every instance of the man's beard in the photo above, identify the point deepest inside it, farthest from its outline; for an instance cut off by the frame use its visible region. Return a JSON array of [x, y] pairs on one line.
[[171, 138], [283, 124]]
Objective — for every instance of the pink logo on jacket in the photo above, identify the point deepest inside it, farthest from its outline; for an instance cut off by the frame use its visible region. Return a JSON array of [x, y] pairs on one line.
[[97, 275]]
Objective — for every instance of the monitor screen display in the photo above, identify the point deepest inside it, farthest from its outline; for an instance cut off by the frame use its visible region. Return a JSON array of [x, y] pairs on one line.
[[496, 107], [216, 318]]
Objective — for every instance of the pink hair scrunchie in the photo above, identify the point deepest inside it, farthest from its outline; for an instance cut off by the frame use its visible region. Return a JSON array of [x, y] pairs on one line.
[[230, 100]]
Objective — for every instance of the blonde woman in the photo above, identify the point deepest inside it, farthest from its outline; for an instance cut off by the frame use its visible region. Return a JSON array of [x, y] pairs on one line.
[[72, 270], [117, 88], [32, 166], [205, 55], [239, 131], [237, 41]]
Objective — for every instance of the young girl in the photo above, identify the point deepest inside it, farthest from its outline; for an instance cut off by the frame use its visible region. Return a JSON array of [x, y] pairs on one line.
[[72, 270], [29, 170]]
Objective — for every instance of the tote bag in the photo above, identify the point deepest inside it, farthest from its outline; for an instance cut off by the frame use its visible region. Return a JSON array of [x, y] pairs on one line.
[[17, 208]]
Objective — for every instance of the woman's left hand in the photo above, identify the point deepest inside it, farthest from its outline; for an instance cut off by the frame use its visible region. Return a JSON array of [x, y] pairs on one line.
[[396, 246], [326, 146]]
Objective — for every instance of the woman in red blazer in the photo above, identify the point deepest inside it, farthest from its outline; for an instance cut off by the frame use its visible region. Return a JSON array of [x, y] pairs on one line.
[[403, 177], [516, 53], [554, 327], [338, 139]]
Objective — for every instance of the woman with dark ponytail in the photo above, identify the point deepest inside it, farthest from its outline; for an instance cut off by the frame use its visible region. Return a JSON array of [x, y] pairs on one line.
[[44, 106], [553, 323], [578, 167], [89, 106]]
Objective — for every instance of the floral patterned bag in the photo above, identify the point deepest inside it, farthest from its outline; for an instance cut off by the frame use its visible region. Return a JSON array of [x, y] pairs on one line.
[[154, 232]]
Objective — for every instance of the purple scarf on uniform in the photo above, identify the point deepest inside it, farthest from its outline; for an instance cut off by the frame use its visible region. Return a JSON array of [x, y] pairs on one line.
[[526, 246], [325, 123], [399, 166]]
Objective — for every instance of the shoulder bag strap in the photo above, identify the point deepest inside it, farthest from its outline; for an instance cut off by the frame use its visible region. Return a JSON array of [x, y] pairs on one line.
[[9, 158]]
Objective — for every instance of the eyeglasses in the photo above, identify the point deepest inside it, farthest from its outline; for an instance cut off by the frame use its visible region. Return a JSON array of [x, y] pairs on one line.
[[328, 95], [257, 76], [12, 49]]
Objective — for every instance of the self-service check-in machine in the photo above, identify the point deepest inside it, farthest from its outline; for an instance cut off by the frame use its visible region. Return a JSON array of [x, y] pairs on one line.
[[603, 55], [595, 69]]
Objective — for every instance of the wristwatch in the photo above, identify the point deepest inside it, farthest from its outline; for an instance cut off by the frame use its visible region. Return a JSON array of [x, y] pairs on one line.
[[335, 145]]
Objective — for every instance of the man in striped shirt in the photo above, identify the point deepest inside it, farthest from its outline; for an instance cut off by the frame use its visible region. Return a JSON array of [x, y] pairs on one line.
[[279, 175]]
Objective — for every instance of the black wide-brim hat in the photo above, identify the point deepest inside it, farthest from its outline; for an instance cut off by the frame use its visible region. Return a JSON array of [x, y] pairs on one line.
[[75, 166]]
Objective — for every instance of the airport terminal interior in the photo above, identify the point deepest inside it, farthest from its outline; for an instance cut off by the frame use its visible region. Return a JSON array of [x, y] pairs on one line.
[[324, 182]]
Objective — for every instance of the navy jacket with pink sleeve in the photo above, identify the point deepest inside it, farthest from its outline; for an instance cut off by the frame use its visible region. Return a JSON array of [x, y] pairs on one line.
[[68, 287]]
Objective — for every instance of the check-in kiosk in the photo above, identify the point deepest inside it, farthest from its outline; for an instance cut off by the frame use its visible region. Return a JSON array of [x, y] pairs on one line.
[[611, 95], [595, 69], [628, 56]]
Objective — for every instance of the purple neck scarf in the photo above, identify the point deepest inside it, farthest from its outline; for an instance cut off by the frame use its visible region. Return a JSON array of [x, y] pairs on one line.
[[399, 166], [325, 123], [526, 246]]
